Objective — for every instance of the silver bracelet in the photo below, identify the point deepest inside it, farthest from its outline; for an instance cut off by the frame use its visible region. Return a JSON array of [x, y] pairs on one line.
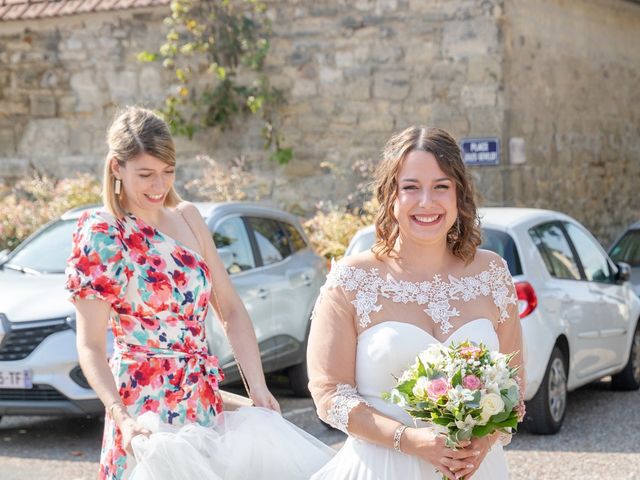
[[397, 436]]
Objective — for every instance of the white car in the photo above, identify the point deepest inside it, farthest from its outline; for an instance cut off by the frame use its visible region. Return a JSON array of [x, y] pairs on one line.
[[578, 311], [276, 273]]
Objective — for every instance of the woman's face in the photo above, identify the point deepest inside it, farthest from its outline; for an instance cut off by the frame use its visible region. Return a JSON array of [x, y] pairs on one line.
[[426, 207], [146, 181]]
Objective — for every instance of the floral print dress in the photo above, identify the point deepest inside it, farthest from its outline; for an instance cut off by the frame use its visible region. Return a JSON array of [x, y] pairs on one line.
[[159, 292]]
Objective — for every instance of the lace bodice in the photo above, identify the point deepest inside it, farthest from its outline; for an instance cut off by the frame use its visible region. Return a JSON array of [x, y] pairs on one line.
[[369, 286], [351, 344]]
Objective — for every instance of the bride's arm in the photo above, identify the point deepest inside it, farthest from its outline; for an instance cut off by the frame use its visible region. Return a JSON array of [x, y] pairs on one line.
[[331, 358]]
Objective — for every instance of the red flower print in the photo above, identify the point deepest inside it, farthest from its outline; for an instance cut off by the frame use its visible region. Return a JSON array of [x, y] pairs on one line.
[[136, 242], [157, 262], [179, 278], [172, 398], [129, 395], [161, 289], [185, 257], [150, 405], [148, 231]]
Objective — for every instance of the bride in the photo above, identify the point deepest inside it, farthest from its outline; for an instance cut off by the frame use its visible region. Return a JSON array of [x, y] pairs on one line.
[[423, 282]]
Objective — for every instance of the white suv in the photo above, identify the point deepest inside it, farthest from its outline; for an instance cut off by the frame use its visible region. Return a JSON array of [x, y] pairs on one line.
[[578, 312], [276, 273]]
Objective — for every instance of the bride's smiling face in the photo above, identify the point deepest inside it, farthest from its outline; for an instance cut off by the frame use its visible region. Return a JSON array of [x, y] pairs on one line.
[[426, 206]]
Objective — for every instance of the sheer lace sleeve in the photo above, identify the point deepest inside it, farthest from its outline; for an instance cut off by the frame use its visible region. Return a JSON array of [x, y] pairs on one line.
[[509, 330], [331, 355]]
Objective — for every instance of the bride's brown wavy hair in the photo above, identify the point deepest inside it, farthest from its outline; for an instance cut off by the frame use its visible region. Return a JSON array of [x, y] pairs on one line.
[[463, 241]]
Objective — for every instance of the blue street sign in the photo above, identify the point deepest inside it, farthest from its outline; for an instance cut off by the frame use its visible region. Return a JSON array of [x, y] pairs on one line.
[[481, 151]]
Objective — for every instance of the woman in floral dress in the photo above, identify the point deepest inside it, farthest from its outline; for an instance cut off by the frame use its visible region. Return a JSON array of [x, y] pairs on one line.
[[144, 266]]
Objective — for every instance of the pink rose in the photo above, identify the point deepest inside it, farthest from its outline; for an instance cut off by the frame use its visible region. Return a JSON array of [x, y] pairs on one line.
[[437, 388], [471, 382]]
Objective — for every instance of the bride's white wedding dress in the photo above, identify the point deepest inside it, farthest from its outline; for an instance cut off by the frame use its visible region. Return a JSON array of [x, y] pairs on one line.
[[368, 327], [391, 346], [249, 443]]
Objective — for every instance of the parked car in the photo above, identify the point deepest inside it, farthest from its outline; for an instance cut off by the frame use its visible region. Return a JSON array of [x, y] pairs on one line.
[[627, 249], [266, 253], [578, 312]]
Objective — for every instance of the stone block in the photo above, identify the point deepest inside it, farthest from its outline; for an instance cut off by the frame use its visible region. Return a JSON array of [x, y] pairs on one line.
[[150, 83], [358, 88], [384, 54], [303, 88], [469, 38], [479, 95], [329, 75], [7, 142], [42, 105], [89, 95], [484, 69], [43, 136], [391, 85]]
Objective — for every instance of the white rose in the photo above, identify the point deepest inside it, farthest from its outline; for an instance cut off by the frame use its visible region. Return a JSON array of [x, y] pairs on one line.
[[491, 404], [420, 388]]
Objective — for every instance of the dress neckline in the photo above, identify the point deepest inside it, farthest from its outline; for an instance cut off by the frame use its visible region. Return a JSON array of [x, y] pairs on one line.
[[169, 237], [422, 330]]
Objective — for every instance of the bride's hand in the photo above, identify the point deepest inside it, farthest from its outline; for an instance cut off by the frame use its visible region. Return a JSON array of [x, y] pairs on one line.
[[129, 429], [482, 445], [262, 397], [430, 446]]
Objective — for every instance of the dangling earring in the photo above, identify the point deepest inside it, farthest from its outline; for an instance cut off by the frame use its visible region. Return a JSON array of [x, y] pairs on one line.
[[117, 187], [454, 232]]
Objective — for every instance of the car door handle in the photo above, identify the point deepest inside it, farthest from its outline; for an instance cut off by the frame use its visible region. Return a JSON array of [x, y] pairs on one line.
[[263, 293]]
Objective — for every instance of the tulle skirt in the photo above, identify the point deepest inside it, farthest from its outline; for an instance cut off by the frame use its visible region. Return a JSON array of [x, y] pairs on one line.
[[361, 460], [247, 443]]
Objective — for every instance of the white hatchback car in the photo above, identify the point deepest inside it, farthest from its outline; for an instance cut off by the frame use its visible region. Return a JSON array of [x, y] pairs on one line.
[[579, 314], [276, 273]]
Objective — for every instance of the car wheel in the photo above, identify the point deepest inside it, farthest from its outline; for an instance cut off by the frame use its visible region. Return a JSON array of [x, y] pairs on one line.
[[546, 410], [299, 380], [629, 377]]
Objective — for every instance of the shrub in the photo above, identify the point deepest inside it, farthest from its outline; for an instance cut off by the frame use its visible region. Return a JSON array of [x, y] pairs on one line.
[[32, 203]]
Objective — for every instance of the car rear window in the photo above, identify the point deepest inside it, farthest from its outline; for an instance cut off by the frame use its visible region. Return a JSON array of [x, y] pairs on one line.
[[502, 244], [627, 249]]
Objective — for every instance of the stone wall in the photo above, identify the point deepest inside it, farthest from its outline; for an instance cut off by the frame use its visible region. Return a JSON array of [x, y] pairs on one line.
[[572, 83], [356, 71]]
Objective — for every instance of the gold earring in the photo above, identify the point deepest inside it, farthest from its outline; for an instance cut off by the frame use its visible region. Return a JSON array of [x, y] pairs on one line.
[[117, 187]]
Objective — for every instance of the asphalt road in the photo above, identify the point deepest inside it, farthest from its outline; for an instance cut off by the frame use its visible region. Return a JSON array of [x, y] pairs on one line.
[[600, 440]]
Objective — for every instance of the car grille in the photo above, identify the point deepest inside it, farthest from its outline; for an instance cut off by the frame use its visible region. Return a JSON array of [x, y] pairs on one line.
[[22, 339], [39, 393]]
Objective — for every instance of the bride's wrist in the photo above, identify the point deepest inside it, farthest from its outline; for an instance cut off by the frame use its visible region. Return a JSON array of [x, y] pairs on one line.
[[411, 441]]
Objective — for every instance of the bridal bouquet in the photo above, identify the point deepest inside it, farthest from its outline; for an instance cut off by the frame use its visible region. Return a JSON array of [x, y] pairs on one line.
[[464, 389]]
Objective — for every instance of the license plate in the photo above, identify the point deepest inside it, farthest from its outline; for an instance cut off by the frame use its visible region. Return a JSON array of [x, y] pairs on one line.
[[15, 378]]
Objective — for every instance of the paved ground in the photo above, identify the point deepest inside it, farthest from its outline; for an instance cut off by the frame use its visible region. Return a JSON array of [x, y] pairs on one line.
[[600, 440]]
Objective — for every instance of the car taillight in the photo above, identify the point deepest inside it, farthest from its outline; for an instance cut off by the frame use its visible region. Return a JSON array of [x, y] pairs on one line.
[[527, 299]]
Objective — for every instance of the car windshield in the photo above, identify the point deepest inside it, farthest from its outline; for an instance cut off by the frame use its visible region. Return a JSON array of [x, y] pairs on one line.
[[47, 252], [494, 240], [627, 249]]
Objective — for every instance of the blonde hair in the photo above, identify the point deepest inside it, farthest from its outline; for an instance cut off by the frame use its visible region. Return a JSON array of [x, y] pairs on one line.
[[136, 130], [464, 237]]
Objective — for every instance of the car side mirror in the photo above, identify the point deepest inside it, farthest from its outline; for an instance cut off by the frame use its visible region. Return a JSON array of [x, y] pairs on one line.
[[624, 272]]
